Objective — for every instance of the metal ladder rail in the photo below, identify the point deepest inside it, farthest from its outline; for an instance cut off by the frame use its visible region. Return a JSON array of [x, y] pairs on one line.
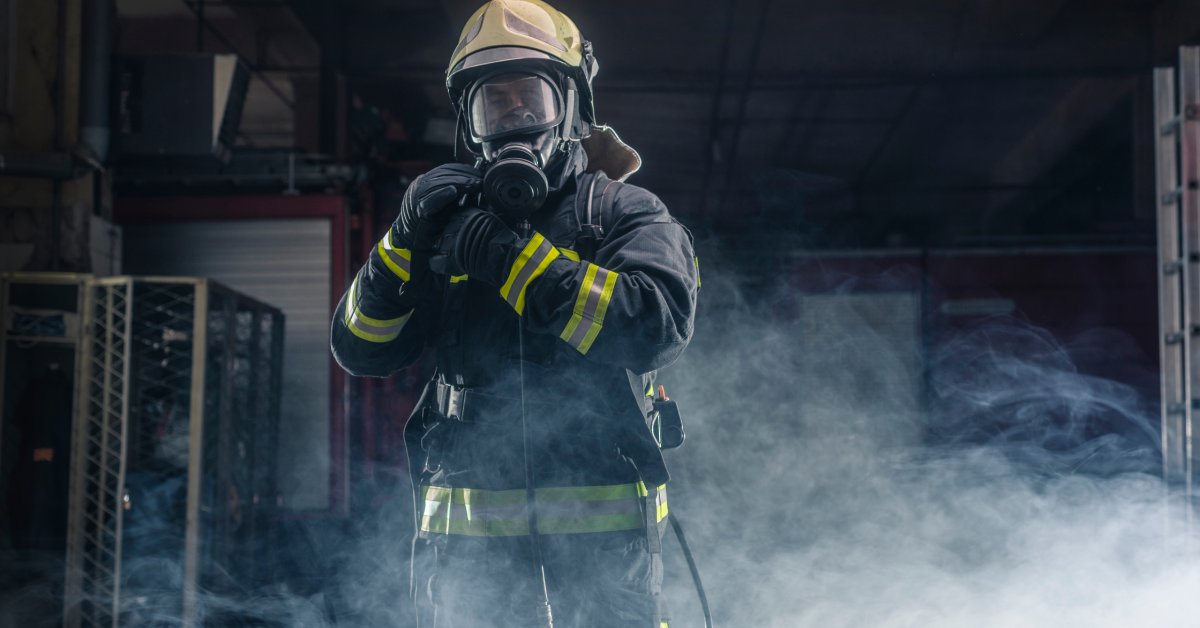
[[1174, 337], [1189, 197]]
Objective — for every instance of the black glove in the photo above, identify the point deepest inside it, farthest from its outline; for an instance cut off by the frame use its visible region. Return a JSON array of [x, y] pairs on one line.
[[475, 243], [427, 201]]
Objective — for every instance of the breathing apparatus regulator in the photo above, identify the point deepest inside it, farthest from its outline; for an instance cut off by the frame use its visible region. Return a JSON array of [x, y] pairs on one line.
[[517, 119], [520, 121]]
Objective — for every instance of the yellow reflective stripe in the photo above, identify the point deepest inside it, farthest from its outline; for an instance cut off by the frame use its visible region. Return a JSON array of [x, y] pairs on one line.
[[660, 497], [351, 301], [561, 510], [591, 303], [610, 282], [377, 333], [519, 264], [366, 327], [475, 527], [590, 493], [457, 278], [483, 497], [474, 496], [580, 302], [569, 254], [696, 262], [531, 262], [399, 261], [520, 527]]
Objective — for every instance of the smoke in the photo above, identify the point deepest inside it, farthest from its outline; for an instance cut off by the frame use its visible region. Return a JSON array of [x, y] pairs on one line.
[[839, 473]]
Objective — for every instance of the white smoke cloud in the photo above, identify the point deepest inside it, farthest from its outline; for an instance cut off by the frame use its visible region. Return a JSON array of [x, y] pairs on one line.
[[819, 491]]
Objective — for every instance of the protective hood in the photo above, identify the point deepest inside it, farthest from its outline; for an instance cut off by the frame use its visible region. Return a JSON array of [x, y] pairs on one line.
[[608, 154]]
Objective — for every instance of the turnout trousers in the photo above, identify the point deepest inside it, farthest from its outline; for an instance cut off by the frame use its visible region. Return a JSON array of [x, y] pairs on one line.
[[600, 527], [600, 580]]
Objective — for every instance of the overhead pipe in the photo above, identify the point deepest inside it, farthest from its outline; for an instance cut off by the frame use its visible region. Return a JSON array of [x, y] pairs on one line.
[[94, 132]]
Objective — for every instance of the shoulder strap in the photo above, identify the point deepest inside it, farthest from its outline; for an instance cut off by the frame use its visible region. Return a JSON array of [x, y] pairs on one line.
[[597, 212]]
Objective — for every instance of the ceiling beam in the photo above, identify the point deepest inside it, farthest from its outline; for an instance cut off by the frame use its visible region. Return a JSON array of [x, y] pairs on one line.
[[702, 82], [743, 100], [913, 96], [1084, 105], [712, 148]]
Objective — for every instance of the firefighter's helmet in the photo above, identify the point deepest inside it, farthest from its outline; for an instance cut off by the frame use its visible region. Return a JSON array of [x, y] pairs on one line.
[[506, 36]]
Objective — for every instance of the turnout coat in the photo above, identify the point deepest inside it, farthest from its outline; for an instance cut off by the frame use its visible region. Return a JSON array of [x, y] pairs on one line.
[[593, 312]]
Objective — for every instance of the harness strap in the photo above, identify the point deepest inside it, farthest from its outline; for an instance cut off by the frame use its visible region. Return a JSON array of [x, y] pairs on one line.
[[591, 195], [591, 224]]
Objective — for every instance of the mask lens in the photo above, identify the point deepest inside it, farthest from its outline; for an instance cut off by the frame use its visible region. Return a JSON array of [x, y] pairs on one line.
[[511, 103]]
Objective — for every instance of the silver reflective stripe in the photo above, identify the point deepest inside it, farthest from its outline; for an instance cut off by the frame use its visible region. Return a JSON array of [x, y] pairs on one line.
[[591, 304], [366, 327], [376, 330], [516, 512], [449, 510], [531, 262], [398, 260], [561, 510]]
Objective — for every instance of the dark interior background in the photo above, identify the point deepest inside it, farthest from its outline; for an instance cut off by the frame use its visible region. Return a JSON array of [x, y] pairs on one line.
[[979, 158]]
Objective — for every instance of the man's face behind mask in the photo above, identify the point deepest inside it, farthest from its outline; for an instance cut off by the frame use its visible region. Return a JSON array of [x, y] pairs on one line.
[[512, 104]]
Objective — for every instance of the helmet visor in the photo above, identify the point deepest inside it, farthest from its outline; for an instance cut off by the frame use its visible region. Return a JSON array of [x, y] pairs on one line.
[[512, 103]]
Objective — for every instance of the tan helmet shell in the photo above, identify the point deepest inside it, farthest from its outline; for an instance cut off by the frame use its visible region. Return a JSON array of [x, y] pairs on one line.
[[528, 24]]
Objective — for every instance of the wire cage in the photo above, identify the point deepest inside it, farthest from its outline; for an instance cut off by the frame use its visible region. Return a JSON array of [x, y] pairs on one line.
[[40, 361], [173, 486]]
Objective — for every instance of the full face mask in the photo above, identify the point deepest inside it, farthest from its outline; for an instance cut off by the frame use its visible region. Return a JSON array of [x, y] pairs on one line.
[[516, 117]]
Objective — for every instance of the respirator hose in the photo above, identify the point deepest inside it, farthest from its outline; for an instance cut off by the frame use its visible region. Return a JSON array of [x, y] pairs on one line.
[[691, 563]]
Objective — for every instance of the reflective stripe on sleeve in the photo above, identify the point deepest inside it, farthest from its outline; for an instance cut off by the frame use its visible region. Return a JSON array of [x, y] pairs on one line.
[[398, 260], [366, 327], [587, 317], [529, 265], [562, 510]]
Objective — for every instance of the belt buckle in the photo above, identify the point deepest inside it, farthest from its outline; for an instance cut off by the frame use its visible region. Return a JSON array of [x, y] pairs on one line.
[[455, 402]]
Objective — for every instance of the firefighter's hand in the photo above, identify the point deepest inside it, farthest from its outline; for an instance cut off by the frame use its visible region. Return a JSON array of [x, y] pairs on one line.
[[474, 243], [428, 201]]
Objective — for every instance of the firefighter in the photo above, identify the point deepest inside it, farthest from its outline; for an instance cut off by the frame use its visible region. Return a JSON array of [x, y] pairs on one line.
[[550, 292]]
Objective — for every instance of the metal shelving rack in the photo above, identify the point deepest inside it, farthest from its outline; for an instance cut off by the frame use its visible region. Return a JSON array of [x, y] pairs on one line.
[[173, 481], [40, 339]]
